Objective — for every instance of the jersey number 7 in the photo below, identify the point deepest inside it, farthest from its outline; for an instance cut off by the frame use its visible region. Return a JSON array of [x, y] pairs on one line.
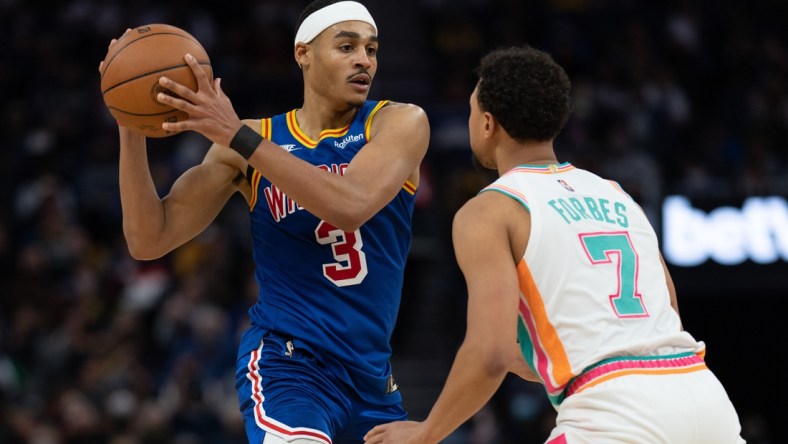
[[615, 248]]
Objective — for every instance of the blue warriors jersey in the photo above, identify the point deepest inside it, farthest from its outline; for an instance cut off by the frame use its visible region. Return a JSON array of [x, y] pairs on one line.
[[335, 293]]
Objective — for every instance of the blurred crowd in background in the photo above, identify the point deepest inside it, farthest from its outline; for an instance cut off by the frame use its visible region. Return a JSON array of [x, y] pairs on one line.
[[674, 96]]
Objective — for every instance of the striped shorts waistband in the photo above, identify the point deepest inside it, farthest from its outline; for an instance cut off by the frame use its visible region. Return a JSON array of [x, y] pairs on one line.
[[634, 365]]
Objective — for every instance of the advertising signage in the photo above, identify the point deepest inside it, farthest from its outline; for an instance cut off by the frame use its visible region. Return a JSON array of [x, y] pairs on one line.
[[757, 231], [715, 246]]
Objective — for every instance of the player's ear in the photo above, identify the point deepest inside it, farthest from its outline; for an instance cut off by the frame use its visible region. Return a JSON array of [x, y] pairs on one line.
[[301, 54], [490, 125]]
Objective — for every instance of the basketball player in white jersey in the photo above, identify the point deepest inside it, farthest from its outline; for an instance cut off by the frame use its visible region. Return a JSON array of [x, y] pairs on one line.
[[567, 263]]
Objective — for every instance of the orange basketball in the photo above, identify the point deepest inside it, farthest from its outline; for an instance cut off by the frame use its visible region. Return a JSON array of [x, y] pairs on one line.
[[131, 70]]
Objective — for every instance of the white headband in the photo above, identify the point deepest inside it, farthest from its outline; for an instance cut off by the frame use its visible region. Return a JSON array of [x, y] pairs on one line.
[[321, 19]]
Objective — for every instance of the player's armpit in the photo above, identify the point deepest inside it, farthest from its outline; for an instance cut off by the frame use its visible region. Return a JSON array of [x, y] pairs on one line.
[[519, 367]]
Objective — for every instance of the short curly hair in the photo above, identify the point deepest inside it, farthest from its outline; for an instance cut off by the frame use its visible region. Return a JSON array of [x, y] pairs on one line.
[[526, 91]]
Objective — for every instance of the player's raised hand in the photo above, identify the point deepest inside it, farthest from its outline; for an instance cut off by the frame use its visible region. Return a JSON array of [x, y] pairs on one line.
[[210, 111], [109, 47]]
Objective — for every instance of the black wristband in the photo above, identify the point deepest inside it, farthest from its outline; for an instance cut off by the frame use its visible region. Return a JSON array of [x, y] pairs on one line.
[[246, 141]]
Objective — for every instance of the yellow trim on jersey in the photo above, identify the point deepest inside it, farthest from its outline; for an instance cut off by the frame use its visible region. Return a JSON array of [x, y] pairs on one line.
[[254, 182], [266, 128], [368, 123], [295, 130], [409, 187]]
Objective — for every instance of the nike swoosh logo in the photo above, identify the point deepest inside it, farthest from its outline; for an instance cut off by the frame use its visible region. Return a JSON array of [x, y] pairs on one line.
[[290, 148]]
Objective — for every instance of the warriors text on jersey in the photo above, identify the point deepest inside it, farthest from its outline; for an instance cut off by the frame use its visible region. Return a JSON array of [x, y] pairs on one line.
[[594, 301], [335, 293]]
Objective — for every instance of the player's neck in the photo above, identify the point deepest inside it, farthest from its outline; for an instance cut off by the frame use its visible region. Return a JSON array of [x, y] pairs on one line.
[[513, 154], [316, 116], [312, 121]]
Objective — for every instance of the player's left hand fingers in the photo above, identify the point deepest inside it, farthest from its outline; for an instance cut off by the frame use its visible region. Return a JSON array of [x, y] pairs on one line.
[[217, 86], [179, 90], [184, 125], [175, 102], [203, 82], [109, 47], [111, 44]]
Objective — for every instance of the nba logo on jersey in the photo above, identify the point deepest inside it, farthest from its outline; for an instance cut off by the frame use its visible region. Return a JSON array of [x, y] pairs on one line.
[[565, 185]]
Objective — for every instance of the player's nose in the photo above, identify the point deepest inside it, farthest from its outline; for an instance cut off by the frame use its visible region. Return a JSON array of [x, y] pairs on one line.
[[362, 58]]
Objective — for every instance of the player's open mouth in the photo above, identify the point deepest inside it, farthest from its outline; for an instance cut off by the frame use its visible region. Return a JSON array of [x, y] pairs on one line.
[[361, 79]]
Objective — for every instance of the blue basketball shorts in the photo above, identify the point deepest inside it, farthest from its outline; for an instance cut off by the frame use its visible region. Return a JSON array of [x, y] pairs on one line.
[[288, 392]]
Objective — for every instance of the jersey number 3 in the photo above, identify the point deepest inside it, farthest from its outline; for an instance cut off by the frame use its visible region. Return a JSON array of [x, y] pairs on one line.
[[616, 248], [350, 267]]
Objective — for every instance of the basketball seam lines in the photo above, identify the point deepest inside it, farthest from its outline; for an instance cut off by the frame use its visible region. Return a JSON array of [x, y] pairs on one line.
[[143, 115], [147, 74], [109, 62]]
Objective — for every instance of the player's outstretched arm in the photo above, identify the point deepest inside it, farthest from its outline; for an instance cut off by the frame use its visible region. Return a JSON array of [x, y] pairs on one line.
[[154, 226], [484, 254], [399, 140]]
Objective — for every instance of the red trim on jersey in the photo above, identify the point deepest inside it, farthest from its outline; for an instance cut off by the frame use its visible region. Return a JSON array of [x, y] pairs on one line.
[[560, 439], [639, 366]]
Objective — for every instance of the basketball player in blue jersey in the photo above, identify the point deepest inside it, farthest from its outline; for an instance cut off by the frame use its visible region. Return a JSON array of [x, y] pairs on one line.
[[331, 189], [568, 264]]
